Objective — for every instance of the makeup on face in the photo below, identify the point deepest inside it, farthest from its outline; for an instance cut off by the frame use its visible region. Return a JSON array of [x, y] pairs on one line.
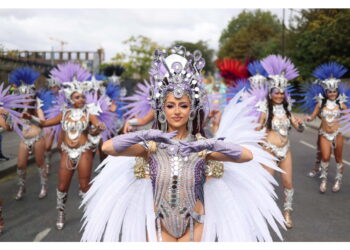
[[177, 110]]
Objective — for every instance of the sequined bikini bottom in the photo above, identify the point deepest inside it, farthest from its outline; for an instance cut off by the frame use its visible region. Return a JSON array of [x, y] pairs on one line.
[[30, 142], [75, 153], [329, 136], [279, 152]]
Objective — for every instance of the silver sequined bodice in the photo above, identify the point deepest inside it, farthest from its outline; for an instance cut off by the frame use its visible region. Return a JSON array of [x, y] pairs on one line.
[[331, 113], [74, 122], [178, 183], [280, 121]]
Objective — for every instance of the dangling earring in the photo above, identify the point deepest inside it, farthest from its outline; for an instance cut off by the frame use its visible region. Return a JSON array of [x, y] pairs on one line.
[[163, 123], [190, 121]]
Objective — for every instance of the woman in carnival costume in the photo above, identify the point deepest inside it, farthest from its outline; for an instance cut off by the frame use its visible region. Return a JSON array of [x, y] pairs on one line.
[[48, 97], [10, 118], [76, 121], [32, 136], [329, 103], [171, 183], [277, 120]]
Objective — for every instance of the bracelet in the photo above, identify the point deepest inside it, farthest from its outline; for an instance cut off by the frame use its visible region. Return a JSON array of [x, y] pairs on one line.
[[133, 122], [35, 120]]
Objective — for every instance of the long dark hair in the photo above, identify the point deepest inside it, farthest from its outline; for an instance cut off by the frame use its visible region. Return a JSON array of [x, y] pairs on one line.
[[324, 100], [270, 109]]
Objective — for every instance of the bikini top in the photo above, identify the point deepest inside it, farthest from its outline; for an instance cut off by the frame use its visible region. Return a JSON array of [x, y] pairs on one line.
[[74, 122], [280, 121], [332, 112]]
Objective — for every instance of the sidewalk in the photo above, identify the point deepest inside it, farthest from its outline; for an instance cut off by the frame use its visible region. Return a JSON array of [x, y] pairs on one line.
[[10, 142]]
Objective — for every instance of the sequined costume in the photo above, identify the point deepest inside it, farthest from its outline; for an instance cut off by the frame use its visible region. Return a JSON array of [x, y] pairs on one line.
[[281, 124], [177, 187], [74, 122], [124, 205]]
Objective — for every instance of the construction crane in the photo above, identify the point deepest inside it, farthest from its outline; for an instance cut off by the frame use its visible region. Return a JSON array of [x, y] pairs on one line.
[[62, 43]]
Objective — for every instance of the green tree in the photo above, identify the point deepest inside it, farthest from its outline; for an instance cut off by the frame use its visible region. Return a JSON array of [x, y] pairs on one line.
[[252, 34], [137, 60], [319, 36], [207, 53]]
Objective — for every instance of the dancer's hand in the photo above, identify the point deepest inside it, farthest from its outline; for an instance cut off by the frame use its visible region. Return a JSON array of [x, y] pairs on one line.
[[157, 135], [307, 118], [26, 115], [101, 126], [127, 127], [229, 149], [3, 111], [196, 146]]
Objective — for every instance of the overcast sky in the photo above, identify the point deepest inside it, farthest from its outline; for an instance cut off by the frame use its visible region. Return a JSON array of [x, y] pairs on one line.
[[90, 29]]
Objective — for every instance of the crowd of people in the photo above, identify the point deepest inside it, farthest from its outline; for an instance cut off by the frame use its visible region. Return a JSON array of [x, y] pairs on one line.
[[182, 159]]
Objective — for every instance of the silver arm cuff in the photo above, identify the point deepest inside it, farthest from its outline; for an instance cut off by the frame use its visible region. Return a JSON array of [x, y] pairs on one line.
[[35, 120], [133, 122]]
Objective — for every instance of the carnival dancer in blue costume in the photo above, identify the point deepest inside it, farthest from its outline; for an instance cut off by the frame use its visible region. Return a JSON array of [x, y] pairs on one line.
[[277, 120], [331, 100], [170, 183], [32, 136]]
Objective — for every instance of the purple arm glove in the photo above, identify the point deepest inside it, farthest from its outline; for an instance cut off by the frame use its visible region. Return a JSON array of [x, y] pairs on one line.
[[122, 142], [216, 145]]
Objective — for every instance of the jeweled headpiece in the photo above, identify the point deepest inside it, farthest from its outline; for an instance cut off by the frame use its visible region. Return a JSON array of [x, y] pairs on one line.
[[72, 77], [177, 72], [280, 70], [329, 74], [24, 78], [259, 74]]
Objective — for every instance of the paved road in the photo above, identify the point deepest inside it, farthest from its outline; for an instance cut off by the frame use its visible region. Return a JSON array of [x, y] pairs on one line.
[[317, 217]]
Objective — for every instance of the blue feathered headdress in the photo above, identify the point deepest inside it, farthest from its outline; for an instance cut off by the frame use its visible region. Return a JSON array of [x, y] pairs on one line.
[[329, 70], [24, 78], [256, 68]]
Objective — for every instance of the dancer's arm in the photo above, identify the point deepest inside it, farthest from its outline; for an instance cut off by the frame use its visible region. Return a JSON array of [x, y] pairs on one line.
[[3, 122], [314, 114], [261, 121], [138, 121], [297, 123], [94, 121], [221, 150], [127, 144], [246, 155], [42, 123]]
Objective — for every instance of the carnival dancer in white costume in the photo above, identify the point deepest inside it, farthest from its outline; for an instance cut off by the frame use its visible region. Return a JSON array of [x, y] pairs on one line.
[[76, 122], [277, 120], [329, 104], [171, 183], [32, 136]]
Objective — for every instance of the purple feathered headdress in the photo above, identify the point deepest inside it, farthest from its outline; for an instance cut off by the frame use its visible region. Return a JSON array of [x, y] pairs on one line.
[[280, 70], [10, 103], [72, 77]]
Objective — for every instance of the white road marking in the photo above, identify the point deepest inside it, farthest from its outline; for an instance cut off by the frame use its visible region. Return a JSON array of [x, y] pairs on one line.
[[40, 236], [314, 147], [307, 144]]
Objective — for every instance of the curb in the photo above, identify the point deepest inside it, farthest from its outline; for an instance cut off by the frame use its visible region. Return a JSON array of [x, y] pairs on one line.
[[8, 167]]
